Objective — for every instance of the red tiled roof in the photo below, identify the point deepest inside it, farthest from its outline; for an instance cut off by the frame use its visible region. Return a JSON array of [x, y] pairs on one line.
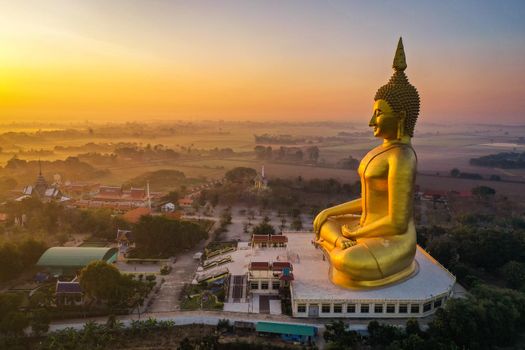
[[185, 201], [259, 266], [133, 216], [107, 197], [279, 265], [278, 239], [260, 238], [137, 193], [110, 190]]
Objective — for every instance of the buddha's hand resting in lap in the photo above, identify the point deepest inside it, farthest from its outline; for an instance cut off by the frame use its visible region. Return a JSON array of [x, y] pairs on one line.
[[344, 243], [348, 232]]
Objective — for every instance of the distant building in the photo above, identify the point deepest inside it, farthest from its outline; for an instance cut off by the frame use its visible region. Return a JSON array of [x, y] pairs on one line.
[[185, 202], [78, 190], [125, 241], [267, 278], [116, 198], [41, 190], [269, 241], [167, 207], [260, 181], [69, 293]]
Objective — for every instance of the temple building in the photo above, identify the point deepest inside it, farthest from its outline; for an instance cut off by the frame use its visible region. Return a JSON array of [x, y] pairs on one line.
[[117, 198], [269, 241], [260, 181], [269, 277], [42, 190]]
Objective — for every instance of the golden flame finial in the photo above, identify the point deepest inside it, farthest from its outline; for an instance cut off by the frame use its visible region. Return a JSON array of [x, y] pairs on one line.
[[400, 62]]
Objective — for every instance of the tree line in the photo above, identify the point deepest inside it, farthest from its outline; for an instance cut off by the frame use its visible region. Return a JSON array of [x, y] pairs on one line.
[[490, 317], [32, 215], [505, 160], [18, 256]]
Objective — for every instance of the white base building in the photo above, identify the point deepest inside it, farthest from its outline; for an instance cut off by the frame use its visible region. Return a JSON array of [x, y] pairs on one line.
[[314, 295]]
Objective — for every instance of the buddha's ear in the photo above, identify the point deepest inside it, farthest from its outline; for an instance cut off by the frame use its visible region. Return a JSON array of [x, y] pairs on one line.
[[401, 124]]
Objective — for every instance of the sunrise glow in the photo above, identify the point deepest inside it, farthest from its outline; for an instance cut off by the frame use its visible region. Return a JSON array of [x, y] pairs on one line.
[[140, 60]]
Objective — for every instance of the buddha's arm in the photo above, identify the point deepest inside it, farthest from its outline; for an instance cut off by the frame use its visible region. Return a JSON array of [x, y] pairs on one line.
[[402, 169], [352, 207]]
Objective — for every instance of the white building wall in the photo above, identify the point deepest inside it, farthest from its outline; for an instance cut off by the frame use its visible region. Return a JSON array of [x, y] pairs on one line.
[[329, 308]]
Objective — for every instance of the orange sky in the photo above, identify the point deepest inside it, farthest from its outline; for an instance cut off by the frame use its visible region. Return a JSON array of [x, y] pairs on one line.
[[134, 60]]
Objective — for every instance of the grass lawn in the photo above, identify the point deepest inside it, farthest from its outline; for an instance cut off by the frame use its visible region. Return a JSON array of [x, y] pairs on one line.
[[209, 302]]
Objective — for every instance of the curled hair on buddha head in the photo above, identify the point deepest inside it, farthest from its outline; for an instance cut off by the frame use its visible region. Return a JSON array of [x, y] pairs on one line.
[[399, 93]]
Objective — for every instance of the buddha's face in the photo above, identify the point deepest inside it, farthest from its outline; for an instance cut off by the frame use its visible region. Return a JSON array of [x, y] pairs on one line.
[[384, 120]]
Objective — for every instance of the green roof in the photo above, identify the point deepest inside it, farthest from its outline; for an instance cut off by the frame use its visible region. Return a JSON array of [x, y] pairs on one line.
[[285, 328], [75, 256]]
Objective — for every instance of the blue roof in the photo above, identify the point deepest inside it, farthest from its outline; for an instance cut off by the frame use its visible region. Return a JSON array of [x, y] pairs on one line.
[[68, 287]]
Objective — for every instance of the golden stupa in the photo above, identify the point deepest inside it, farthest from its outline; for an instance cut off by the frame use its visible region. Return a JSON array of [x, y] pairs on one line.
[[371, 241]]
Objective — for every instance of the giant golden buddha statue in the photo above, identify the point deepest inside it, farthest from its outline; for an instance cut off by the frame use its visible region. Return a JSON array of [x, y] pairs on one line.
[[371, 241]]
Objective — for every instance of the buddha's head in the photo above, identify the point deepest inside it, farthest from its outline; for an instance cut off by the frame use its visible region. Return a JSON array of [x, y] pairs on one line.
[[396, 106]]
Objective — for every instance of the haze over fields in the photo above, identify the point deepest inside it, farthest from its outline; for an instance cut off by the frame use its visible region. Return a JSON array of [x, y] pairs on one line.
[[125, 153]]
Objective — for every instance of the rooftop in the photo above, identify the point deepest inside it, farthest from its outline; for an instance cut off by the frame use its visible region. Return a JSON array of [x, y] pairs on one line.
[[74, 256], [285, 328], [68, 287], [311, 277]]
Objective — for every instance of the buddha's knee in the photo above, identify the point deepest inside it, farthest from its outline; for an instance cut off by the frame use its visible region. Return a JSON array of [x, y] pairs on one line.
[[330, 231], [357, 262]]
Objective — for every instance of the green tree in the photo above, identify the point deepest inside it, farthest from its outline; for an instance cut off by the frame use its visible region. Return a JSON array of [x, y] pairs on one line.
[[444, 250], [312, 153], [40, 321], [338, 337], [241, 175], [31, 250], [455, 172], [412, 327], [263, 228], [42, 298], [100, 280], [185, 344], [297, 224], [383, 334], [412, 342], [172, 196], [158, 236], [514, 274], [10, 262], [483, 191]]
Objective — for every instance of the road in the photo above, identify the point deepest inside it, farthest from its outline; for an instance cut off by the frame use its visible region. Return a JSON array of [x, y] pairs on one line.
[[213, 317]]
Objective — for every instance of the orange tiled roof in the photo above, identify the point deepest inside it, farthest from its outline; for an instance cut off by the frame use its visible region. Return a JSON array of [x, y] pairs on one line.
[[133, 216], [259, 266]]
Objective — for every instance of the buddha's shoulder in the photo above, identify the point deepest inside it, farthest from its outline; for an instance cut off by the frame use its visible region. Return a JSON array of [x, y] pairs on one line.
[[402, 151]]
